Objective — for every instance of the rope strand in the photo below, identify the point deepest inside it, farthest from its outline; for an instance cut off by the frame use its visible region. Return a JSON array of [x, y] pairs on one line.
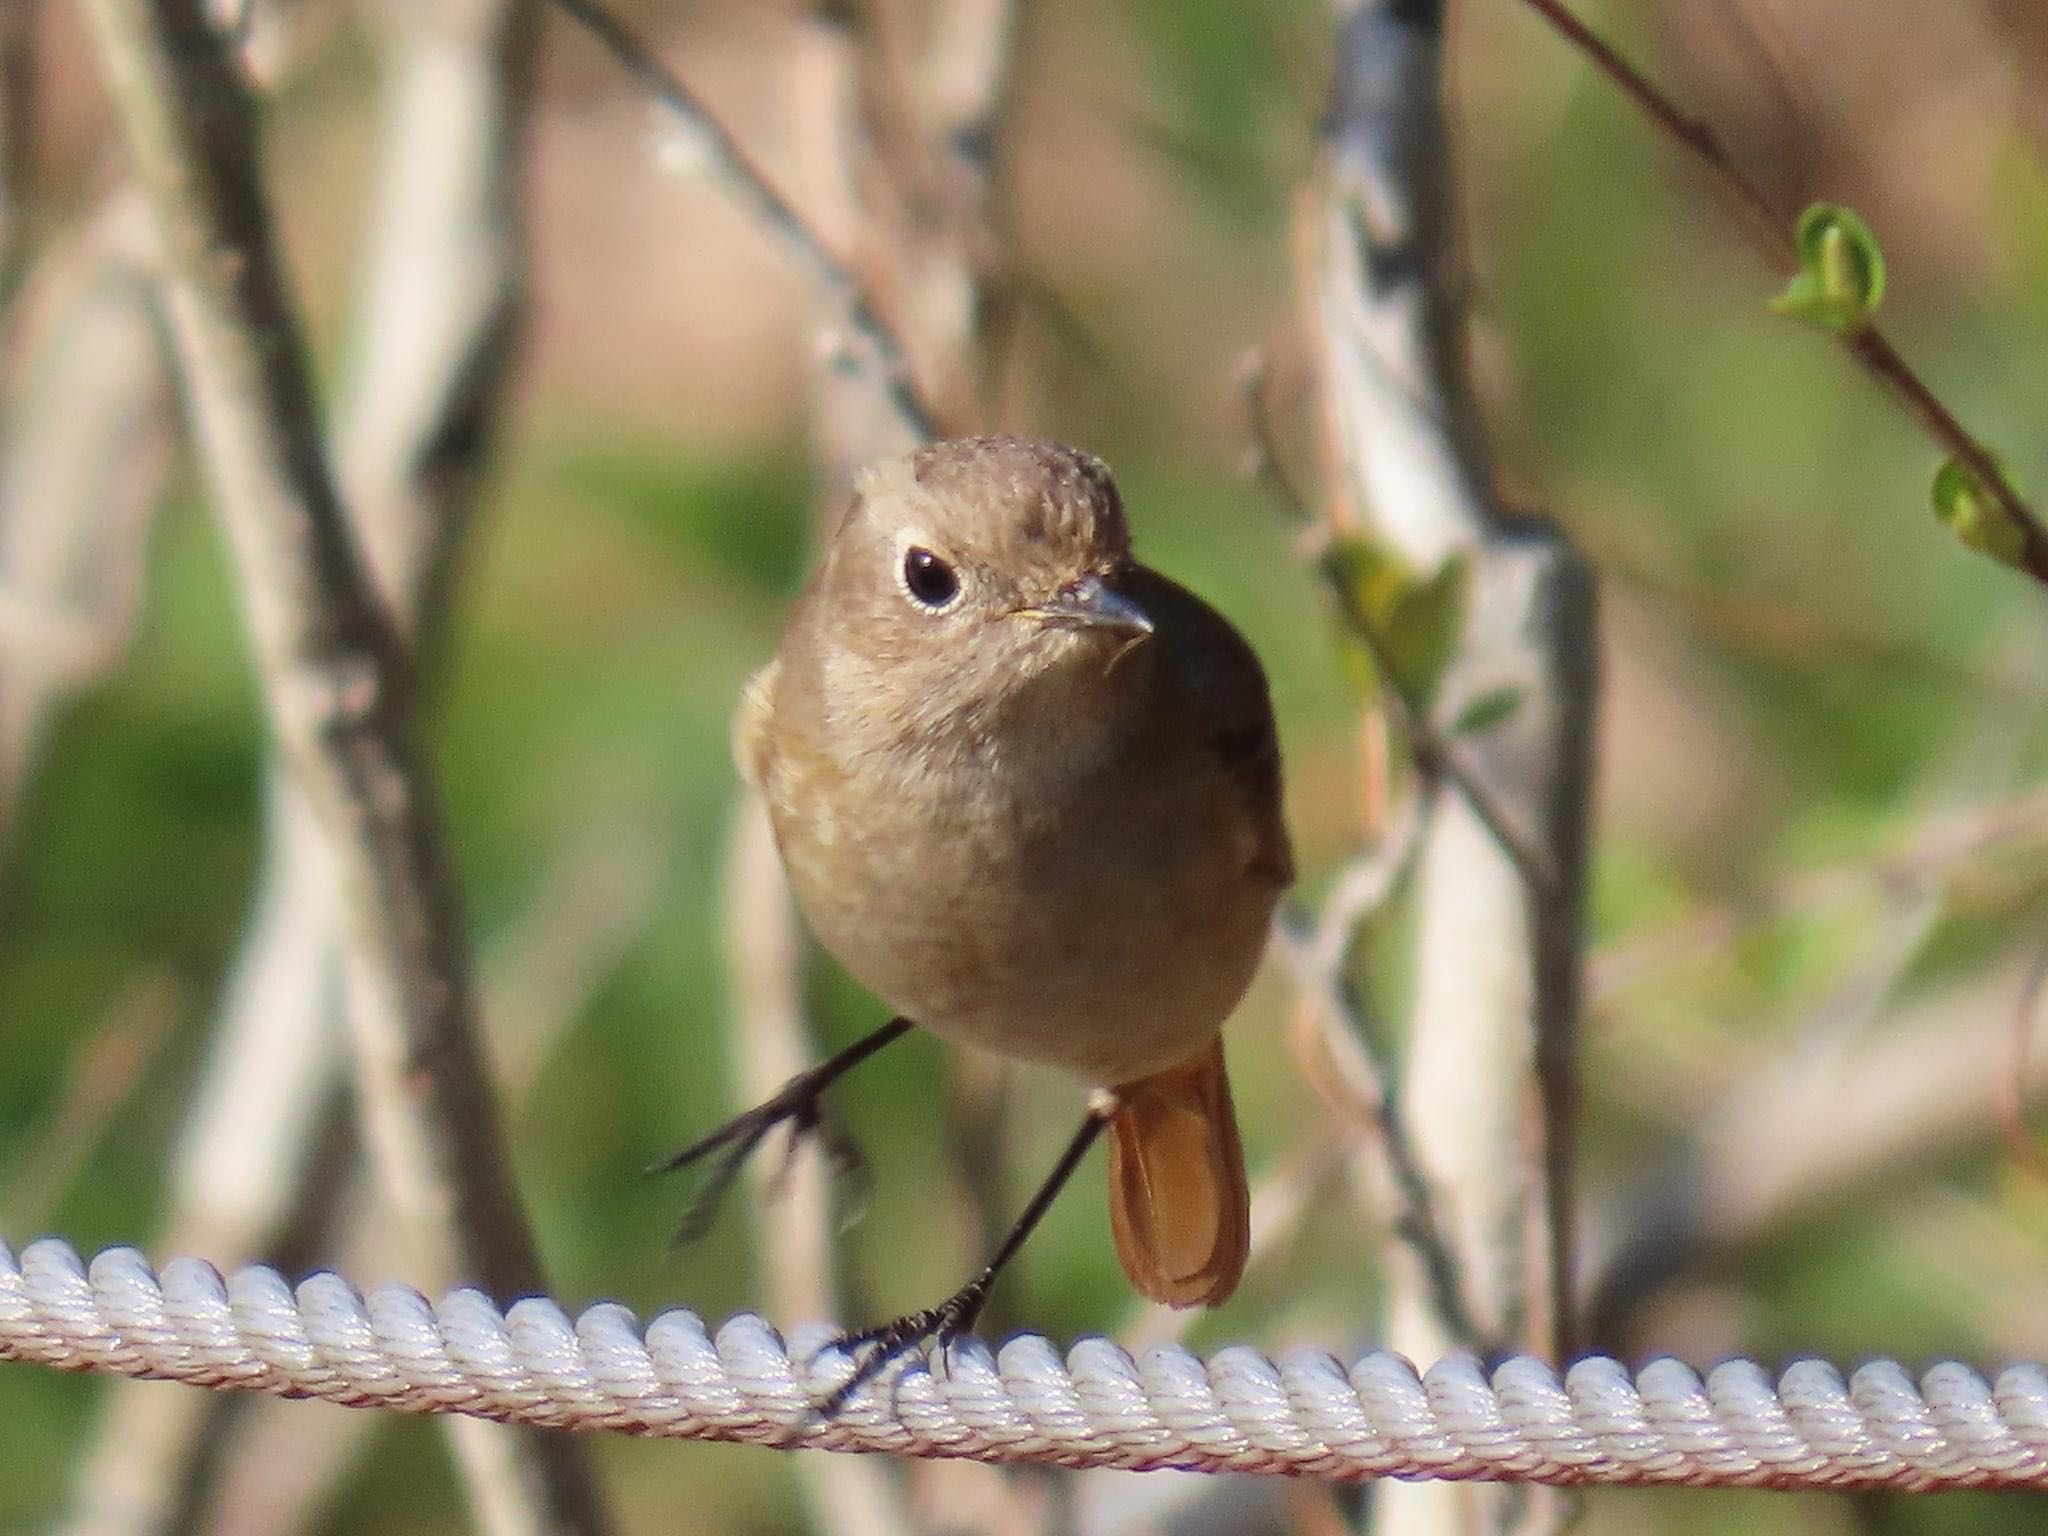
[[1238, 1411]]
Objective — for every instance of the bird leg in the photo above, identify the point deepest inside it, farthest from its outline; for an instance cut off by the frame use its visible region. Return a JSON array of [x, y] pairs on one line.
[[800, 1103], [957, 1313]]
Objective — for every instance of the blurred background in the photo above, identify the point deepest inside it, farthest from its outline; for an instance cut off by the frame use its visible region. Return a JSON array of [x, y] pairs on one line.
[[1822, 797]]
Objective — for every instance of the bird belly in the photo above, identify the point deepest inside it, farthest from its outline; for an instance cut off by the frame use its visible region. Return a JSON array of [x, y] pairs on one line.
[[1103, 1031], [1111, 966]]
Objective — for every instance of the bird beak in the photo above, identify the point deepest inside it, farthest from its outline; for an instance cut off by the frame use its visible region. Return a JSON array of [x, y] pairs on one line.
[[1090, 602]]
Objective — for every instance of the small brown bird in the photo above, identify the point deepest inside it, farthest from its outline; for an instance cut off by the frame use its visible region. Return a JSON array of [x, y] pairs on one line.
[[1027, 790]]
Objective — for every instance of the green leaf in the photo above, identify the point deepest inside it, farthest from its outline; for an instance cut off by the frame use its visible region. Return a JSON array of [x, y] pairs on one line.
[[1363, 577], [1412, 624], [1487, 711], [1368, 576], [1423, 631], [1976, 516], [1841, 270]]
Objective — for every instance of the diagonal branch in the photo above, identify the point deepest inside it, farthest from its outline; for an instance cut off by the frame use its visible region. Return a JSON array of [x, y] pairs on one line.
[[1773, 232], [1436, 758], [86, 435], [748, 185]]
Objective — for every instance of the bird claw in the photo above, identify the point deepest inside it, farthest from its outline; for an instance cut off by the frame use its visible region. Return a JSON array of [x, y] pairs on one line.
[[946, 1324], [801, 1107], [800, 1103], [853, 1177], [805, 1120]]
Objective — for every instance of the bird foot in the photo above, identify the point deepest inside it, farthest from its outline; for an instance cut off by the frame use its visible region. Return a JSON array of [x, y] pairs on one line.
[[799, 1104], [876, 1347]]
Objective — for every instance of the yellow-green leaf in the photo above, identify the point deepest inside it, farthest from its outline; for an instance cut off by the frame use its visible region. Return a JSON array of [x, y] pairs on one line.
[[1976, 516], [1841, 270], [1422, 633], [1488, 710], [1413, 623]]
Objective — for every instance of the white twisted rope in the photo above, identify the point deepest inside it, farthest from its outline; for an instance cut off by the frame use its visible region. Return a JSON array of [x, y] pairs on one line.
[[1238, 1411]]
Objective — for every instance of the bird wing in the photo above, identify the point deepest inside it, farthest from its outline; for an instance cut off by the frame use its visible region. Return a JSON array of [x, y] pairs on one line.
[[1223, 696]]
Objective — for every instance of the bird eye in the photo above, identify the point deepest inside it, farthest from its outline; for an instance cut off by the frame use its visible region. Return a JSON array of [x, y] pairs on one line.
[[928, 579]]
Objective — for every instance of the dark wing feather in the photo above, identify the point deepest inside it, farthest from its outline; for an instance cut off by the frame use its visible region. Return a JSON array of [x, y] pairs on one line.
[[1222, 691]]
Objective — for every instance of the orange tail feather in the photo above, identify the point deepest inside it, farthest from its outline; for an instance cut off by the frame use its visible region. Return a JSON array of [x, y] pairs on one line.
[[1177, 1197]]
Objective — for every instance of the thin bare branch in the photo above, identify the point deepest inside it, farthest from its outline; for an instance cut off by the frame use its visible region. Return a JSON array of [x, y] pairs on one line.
[[103, 1070], [541, 973], [1773, 231], [1367, 1082], [1264, 459], [1435, 757], [84, 448], [935, 213], [771, 1042], [442, 291], [335, 669], [876, 346]]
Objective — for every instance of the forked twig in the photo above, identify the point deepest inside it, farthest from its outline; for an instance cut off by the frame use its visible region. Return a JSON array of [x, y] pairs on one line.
[[1360, 1080]]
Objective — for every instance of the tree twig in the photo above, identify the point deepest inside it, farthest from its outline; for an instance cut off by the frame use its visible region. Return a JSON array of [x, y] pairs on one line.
[[334, 667], [851, 1496], [936, 210], [1264, 459], [100, 1074], [1435, 757], [748, 185], [1360, 1077], [85, 445], [1773, 232]]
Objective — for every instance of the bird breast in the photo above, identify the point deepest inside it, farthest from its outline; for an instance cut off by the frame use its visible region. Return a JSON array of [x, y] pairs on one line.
[[1076, 894]]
